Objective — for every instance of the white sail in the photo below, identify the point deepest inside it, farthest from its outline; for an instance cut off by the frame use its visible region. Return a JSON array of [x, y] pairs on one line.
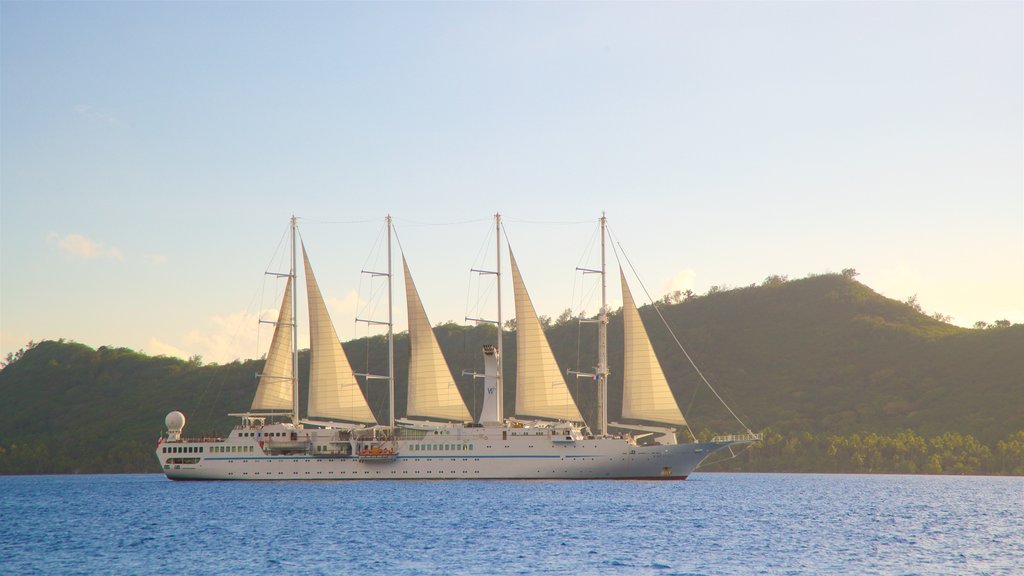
[[275, 388], [540, 388], [645, 391], [432, 390], [333, 390]]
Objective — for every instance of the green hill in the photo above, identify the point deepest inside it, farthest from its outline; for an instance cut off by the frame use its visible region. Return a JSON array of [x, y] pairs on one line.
[[813, 358]]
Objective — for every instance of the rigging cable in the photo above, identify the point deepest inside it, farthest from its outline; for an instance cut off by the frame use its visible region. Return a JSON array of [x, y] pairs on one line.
[[670, 331]]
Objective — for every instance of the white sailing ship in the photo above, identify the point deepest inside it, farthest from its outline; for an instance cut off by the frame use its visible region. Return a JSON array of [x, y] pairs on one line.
[[341, 439]]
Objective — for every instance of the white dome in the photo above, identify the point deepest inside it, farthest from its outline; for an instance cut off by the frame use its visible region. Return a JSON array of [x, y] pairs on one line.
[[175, 421]]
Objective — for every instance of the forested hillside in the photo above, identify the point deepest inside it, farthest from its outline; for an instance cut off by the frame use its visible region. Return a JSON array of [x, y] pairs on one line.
[[841, 378]]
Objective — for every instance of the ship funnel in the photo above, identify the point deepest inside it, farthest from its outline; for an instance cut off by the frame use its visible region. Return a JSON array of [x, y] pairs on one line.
[[489, 414]]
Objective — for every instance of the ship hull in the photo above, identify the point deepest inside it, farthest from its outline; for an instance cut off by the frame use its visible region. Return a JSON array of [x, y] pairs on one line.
[[454, 456]]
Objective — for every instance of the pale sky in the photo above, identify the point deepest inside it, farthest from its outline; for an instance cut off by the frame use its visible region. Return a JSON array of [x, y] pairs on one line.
[[151, 154]]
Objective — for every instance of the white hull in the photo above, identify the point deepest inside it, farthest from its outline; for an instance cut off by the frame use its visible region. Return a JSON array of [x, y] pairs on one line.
[[464, 453]]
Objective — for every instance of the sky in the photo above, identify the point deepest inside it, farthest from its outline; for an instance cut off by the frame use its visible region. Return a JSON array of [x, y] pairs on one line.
[[152, 153]]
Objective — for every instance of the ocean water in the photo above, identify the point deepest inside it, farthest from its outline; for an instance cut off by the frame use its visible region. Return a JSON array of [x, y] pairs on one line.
[[709, 524]]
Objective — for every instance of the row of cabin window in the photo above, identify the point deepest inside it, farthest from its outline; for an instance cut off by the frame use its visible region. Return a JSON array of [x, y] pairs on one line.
[[422, 447], [182, 449], [231, 448], [249, 434]]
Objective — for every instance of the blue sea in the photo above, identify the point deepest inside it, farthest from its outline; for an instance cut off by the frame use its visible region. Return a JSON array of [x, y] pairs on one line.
[[709, 524]]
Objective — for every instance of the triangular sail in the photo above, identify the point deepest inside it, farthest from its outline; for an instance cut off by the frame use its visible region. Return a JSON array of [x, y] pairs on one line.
[[333, 390], [540, 388], [274, 391], [432, 390], [645, 391]]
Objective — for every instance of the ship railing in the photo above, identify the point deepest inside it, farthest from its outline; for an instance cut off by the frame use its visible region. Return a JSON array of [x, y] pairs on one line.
[[201, 439], [733, 438]]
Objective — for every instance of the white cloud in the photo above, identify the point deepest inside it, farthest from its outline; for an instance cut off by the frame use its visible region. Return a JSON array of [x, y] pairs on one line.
[[221, 338], [90, 112], [343, 311], [157, 347], [155, 259], [85, 248], [682, 281], [231, 337]]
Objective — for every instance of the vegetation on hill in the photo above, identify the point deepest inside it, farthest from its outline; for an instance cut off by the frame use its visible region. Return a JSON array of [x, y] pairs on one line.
[[842, 378]]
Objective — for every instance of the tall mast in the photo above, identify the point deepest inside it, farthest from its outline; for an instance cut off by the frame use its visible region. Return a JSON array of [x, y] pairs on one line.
[[391, 335], [295, 334], [602, 343], [501, 330]]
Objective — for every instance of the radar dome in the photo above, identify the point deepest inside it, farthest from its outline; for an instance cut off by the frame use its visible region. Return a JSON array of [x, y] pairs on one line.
[[175, 421]]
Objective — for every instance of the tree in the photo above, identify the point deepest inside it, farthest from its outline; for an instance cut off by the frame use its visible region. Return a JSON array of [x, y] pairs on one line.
[[13, 357], [510, 324], [674, 297], [980, 325], [545, 321], [775, 280], [1001, 324], [850, 273], [914, 304], [945, 318], [564, 317]]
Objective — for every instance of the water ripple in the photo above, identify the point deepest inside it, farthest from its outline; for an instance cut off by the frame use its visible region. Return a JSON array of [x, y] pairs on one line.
[[710, 524]]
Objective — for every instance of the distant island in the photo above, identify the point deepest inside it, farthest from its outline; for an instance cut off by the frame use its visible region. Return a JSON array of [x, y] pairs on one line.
[[836, 376]]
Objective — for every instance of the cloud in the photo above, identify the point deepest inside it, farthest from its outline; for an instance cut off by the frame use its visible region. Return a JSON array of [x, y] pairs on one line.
[[90, 112], [221, 338], [343, 311], [230, 337], [85, 248], [157, 347], [155, 259], [682, 281]]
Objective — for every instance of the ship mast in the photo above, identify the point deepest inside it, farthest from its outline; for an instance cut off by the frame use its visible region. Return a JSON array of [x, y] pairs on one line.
[[501, 331], [601, 373], [390, 377], [602, 343], [391, 335], [499, 413], [295, 333]]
